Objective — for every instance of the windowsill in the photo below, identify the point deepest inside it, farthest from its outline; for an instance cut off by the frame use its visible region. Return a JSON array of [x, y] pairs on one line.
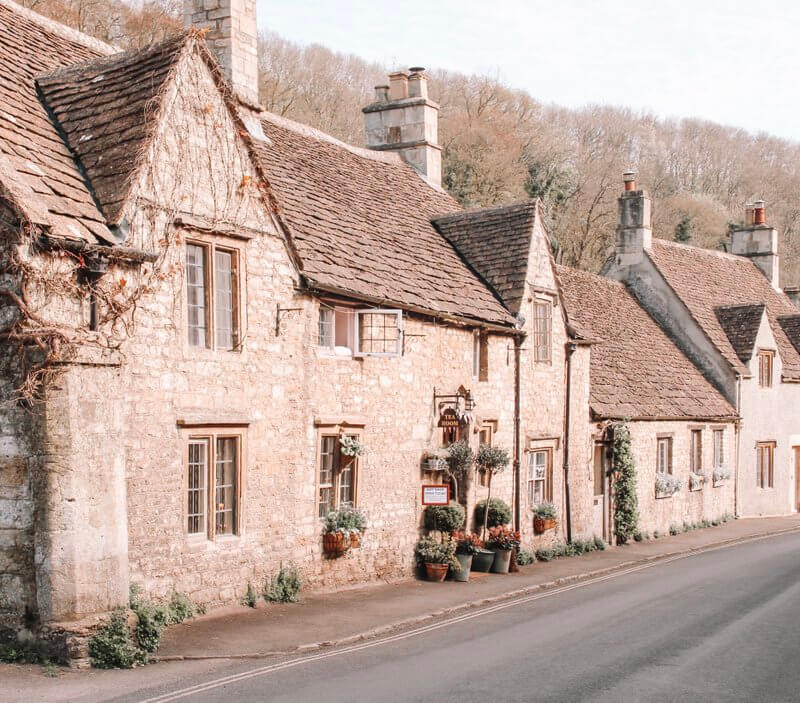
[[328, 353], [664, 496]]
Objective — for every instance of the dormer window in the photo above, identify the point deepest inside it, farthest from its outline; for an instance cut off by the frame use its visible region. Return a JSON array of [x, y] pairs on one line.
[[367, 332], [766, 363]]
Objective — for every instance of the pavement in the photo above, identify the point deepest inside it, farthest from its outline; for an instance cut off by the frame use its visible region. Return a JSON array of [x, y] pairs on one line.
[[324, 620]]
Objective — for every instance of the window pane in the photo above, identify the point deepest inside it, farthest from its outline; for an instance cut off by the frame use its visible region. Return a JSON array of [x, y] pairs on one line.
[[196, 498], [476, 354], [196, 294], [223, 299], [325, 332], [719, 458], [225, 496], [327, 465], [346, 493], [542, 327], [379, 333]]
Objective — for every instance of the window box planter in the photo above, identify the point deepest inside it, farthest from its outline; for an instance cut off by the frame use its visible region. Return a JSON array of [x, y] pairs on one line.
[[667, 485], [335, 544], [542, 524], [696, 481], [720, 476], [436, 572]]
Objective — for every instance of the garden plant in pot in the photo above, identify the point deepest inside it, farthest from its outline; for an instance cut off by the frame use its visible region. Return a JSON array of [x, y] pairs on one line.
[[438, 557], [498, 514], [460, 461], [467, 545], [490, 460], [502, 542], [544, 518], [444, 518], [342, 529]]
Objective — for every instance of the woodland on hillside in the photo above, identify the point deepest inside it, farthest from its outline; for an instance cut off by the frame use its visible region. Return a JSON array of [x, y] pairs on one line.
[[501, 145]]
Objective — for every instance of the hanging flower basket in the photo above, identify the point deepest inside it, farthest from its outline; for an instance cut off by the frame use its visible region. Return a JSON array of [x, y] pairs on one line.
[[334, 544], [542, 524]]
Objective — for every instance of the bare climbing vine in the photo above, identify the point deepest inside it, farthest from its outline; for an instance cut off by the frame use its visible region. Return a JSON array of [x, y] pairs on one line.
[[61, 302]]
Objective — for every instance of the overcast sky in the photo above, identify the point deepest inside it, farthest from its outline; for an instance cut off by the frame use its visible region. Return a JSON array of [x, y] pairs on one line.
[[730, 61]]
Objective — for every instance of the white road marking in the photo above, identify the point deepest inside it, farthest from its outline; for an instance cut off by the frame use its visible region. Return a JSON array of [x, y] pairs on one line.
[[298, 661]]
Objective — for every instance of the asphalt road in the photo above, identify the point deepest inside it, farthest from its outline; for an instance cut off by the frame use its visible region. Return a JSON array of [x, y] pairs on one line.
[[719, 626]]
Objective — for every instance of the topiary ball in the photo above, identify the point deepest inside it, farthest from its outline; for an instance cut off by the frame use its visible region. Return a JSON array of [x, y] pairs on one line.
[[445, 518], [499, 513]]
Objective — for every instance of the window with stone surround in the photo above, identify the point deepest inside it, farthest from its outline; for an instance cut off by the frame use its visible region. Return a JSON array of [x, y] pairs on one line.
[[540, 476], [542, 330], [213, 469], [664, 455], [212, 295], [765, 461], [337, 473], [696, 452], [476, 354], [483, 356], [719, 448], [766, 362], [348, 331]]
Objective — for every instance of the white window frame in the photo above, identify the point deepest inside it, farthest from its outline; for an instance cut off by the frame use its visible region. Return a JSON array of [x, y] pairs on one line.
[[546, 477], [666, 442], [718, 434], [377, 311], [542, 340]]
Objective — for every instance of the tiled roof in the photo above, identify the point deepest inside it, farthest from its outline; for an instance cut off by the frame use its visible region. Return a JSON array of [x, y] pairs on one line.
[[705, 280], [361, 225], [791, 327], [740, 323], [496, 242], [636, 371], [107, 109], [37, 172]]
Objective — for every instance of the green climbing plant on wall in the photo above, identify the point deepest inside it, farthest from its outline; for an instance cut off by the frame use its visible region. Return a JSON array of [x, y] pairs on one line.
[[623, 473]]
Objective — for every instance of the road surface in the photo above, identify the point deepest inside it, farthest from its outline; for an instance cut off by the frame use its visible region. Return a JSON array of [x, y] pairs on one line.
[[720, 626]]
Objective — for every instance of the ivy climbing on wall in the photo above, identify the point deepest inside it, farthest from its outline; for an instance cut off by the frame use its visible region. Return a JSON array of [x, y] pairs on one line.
[[623, 474]]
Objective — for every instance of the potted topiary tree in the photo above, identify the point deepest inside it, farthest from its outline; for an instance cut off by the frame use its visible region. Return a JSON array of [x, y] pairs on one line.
[[491, 460], [544, 517], [460, 462], [437, 557], [444, 518]]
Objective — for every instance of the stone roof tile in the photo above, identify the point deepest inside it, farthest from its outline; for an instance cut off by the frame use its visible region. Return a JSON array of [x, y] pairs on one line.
[[706, 280], [636, 371], [740, 323], [496, 242]]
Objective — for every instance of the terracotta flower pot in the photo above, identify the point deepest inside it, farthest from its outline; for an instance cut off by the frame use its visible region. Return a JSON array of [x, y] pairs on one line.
[[541, 525], [334, 544], [436, 572]]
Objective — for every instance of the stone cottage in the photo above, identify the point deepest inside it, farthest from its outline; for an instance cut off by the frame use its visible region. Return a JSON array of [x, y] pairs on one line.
[[200, 300], [729, 316], [683, 432]]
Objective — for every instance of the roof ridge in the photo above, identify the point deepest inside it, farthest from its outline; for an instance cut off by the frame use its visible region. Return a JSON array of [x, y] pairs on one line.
[[740, 305], [519, 204], [388, 157], [712, 252], [61, 29]]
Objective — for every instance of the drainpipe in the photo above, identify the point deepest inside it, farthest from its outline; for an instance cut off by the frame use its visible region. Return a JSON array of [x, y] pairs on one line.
[[571, 347], [517, 412], [737, 428]]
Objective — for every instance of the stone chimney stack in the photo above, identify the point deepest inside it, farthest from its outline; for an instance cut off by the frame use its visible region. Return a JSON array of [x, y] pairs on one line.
[[634, 233], [405, 120], [758, 241], [233, 37]]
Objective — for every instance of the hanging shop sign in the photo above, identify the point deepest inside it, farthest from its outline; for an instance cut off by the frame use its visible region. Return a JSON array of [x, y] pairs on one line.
[[436, 494], [449, 418]]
